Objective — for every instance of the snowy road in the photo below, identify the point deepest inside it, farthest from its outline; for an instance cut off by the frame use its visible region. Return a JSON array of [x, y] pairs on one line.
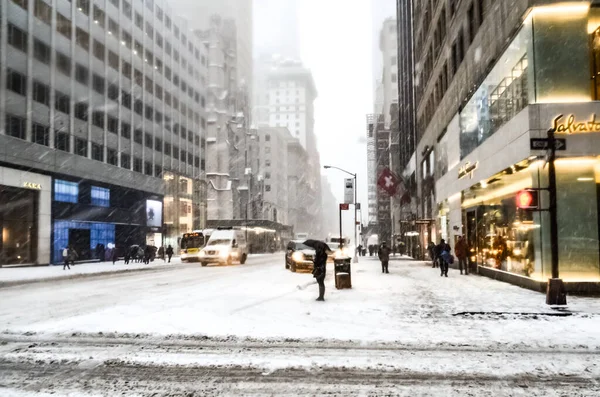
[[255, 329]]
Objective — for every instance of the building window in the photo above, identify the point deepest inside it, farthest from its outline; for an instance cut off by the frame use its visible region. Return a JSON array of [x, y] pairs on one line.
[[139, 21], [63, 63], [268, 188], [267, 175], [148, 168], [84, 6], [66, 192], [113, 28], [82, 38], [267, 138], [99, 50], [16, 82], [125, 130], [394, 78], [267, 163], [21, 3], [15, 127], [41, 51], [81, 147], [62, 142], [138, 136], [17, 38], [97, 152], [111, 157], [63, 25], [98, 119], [113, 60], [175, 152], [148, 140], [81, 74], [394, 60], [40, 134], [81, 111], [113, 92], [112, 124], [98, 84], [41, 93], [125, 161], [126, 8], [100, 196]]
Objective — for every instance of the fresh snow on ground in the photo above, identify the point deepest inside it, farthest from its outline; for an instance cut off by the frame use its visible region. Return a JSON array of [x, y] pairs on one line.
[[412, 305]]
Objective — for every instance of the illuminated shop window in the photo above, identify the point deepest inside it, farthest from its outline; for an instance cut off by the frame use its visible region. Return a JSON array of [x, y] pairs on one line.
[[64, 191], [100, 196]]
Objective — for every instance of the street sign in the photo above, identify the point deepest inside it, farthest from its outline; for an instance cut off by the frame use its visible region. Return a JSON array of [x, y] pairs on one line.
[[344, 207], [349, 191], [542, 143]]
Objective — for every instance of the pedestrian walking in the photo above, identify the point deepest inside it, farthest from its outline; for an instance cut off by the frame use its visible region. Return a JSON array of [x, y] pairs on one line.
[[114, 255], [161, 252], [65, 255], [169, 252], [72, 256], [462, 252], [147, 254], [319, 270], [140, 255], [443, 249], [431, 249], [384, 257]]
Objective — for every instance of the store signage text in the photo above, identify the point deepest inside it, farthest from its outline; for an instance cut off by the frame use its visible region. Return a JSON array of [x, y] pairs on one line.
[[31, 185], [571, 126], [467, 169]]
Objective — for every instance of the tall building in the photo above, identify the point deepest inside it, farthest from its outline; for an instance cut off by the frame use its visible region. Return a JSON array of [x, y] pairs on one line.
[[200, 12], [222, 108], [388, 45], [380, 11], [101, 106], [491, 76], [273, 157]]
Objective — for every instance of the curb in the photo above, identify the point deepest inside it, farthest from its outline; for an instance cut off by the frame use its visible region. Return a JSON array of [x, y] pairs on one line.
[[7, 284]]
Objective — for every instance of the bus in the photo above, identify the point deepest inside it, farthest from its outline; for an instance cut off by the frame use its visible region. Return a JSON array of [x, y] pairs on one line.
[[192, 243]]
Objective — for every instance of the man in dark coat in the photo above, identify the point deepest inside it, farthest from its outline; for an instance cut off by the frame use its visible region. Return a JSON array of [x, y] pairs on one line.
[[384, 257], [461, 250], [319, 270], [443, 249], [169, 252], [431, 249]]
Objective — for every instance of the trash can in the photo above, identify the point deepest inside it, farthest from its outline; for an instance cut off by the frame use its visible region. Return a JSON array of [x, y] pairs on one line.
[[343, 272]]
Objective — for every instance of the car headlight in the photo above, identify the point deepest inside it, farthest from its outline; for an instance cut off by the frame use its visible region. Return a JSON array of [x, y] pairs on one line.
[[202, 253], [224, 254], [234, 253], [338, 253], [298, 256]]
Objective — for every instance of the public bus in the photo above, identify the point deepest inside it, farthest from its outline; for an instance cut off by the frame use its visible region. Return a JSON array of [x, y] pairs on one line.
[[192, 243]]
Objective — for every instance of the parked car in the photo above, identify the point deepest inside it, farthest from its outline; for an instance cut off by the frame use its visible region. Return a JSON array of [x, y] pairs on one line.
[[299, 256]]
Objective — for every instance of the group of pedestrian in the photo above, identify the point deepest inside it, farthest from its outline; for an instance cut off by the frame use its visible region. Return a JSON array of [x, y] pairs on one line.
[[441, 255]]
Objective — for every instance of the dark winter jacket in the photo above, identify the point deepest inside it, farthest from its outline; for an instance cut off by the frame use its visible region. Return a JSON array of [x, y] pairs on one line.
[[461, 249], [384, 253], [320, 263], [169, 251]]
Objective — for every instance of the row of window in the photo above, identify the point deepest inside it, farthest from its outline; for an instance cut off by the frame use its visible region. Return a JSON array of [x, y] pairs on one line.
[[68, 192], [43, 12], [16, 127], [475, 16], [18, 39], [17, 82]]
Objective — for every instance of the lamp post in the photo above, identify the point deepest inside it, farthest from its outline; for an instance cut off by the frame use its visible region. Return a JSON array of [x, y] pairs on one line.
[[355, 259]]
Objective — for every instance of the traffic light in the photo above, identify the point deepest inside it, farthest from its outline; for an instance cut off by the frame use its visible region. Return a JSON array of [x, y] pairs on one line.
[[528, 199]]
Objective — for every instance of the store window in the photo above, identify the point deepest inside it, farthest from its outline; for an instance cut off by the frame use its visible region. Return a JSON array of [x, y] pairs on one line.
[[18, 225], [100, 196], [67, 192], [501, 96]]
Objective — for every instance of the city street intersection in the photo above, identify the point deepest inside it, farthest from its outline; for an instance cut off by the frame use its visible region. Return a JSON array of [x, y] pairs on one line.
[[255, 329]]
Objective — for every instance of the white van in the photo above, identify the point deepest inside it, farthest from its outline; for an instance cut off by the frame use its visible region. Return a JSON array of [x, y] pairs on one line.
[[225, 246]]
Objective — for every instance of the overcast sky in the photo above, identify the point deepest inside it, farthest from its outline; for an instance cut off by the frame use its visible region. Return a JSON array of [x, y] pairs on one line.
[[336, 39]]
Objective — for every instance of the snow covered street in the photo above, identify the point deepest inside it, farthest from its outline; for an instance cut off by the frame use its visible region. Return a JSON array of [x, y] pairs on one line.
[[256, 329]]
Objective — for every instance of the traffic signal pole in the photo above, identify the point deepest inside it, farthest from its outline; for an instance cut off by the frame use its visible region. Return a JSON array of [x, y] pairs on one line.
[[555, 291]]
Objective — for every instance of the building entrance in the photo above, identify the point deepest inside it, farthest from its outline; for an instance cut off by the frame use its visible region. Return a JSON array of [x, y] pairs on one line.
[[80, 240]]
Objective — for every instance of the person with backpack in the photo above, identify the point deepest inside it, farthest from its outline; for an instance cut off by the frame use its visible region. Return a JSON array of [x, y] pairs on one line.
[[444, 257]]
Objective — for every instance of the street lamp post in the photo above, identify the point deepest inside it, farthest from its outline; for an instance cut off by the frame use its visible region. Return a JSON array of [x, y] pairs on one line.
[[355, 259]]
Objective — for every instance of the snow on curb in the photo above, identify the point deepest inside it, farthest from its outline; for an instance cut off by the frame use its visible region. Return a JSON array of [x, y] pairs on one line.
[[13, 283]]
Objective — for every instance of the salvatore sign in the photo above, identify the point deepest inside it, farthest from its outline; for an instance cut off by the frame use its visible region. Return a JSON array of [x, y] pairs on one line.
[[568, 125]]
